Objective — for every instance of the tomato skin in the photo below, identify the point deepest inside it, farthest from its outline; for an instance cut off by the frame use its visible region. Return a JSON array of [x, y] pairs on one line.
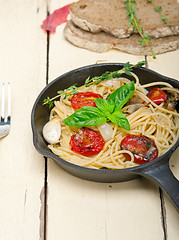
[[157, 95], [142, 147], [83, 99], [87, 142]]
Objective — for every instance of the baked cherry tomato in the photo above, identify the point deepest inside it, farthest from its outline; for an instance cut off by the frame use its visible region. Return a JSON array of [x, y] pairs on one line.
[[142, 147], [157, 95], [83, 99], [87, 142]]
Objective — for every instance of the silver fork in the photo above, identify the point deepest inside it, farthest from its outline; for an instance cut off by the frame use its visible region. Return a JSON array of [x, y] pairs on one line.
[[5, 122]]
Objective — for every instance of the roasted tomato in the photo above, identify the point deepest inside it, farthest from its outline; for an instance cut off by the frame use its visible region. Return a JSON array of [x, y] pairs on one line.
[[142, 147], [87, 142], [83, 99], [157, 95]]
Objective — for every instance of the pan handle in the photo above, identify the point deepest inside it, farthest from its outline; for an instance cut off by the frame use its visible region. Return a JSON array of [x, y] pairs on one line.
[[161, 174]]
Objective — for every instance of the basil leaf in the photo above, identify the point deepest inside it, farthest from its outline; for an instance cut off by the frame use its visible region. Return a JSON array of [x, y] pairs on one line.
[[104, 106], [106, 109], [121, 96], [85, 116], [120, 119]]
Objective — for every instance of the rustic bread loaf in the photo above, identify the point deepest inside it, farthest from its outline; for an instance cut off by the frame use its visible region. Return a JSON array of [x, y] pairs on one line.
[[110, 16], [102, 42]]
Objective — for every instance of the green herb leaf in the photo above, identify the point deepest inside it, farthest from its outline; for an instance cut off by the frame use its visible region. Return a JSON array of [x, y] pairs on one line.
[[158, 8], [128, 73], [127, 66], [104, 106], [134, 27], [121, 96], [120, 119], [163, 18], [149, 144], [87, 80], [48, 101], [60, 91], [142, 42], [140, 64], [85, 116], [147, 38]]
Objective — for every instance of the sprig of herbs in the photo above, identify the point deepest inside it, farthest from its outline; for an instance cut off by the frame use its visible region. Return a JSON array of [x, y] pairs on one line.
[[94, 81], [131, 6], [48, 101], [159, 10]]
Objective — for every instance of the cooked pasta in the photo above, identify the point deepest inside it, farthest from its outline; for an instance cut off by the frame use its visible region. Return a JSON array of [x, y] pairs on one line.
[[149, 119]]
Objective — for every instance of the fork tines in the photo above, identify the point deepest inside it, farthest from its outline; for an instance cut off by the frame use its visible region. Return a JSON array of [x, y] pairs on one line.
[[3, 104]]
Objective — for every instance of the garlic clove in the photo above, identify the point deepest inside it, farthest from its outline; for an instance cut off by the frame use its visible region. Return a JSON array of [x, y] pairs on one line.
[[52, 131], [106, 131], [113, 83]]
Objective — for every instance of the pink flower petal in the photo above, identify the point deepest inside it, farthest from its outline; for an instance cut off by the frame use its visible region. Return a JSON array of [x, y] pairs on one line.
[[55, 19]]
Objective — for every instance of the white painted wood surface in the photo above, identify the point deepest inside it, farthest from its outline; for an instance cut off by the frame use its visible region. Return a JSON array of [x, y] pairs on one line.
[[128, 210], [23, 64], [76, 209]]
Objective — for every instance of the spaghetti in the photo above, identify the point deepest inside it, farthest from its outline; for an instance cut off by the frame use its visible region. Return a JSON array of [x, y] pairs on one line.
[[146, 118]]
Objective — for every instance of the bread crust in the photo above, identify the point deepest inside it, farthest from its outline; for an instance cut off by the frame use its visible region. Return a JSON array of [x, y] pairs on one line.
[[102, 42], [110, 16]]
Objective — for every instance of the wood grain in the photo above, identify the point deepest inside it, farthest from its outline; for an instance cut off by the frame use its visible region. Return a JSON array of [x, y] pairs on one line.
[[23, 64]]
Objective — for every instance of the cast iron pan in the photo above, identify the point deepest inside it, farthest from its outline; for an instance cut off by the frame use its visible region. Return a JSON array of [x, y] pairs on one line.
[[157, 171]]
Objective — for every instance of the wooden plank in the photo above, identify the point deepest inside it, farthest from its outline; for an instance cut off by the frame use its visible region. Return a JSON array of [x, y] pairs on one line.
[[23, 64], [167, 64], [79, 209], [101, 211]]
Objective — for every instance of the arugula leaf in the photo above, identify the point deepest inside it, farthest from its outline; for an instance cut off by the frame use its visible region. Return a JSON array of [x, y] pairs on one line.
[[120, 119], [85, 116], [121, 96]]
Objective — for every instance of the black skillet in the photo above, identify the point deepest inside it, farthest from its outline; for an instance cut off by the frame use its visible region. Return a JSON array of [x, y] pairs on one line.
[[157, 170]]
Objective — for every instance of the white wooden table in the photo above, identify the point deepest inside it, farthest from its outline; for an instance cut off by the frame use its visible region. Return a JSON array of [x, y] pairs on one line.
[[38, 200]]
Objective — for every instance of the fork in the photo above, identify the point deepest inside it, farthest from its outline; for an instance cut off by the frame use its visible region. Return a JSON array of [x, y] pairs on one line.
[[5, 123]]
